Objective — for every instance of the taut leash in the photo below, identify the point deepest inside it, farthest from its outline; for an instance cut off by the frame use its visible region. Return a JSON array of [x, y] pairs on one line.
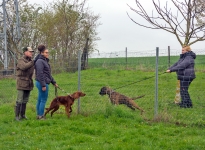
[[138, 81], [56, 91]]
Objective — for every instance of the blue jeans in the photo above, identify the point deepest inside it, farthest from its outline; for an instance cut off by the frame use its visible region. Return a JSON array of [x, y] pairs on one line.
[[42, 98]]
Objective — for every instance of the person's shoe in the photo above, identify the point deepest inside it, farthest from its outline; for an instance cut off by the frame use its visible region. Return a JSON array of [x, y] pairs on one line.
[[17, 111], [189, 106], [182, 105], [23, 117], [17, 118], [186, 105], [41, 118]]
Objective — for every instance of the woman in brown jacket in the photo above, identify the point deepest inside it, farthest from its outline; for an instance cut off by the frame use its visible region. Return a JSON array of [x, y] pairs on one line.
[[24, 72]]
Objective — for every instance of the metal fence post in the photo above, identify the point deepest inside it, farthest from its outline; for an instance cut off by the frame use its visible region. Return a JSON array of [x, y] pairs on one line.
[[79, 78], [14, 64], [156, 84], [5, 37], [168, 56], [126, 56]]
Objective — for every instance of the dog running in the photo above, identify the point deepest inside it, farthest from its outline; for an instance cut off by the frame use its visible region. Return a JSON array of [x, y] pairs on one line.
[[67, 101], [117, 98]]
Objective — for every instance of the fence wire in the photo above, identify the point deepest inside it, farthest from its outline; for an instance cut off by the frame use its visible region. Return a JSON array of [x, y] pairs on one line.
[[116, 71]]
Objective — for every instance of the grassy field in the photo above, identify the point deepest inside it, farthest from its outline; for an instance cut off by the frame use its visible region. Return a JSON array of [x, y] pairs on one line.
[[140, 63], [101, 126]]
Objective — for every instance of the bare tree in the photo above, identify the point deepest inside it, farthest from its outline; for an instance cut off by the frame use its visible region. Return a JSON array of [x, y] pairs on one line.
[[201, 17], [183, 24], [84, 57], [27, 15], [187, 24], [63, 26]]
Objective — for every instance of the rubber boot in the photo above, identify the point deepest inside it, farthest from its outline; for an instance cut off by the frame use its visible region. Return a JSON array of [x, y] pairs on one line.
[[17, 111], [186, 101], [23, 111], [183, 103]]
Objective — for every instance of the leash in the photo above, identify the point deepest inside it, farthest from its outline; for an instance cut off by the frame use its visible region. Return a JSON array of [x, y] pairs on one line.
[[138, 81], [56, 91]]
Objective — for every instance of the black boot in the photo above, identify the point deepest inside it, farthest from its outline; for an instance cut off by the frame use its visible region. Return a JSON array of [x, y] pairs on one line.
[[186, 101], [23, 111], [17, 111], [189, 101], [183, 99]]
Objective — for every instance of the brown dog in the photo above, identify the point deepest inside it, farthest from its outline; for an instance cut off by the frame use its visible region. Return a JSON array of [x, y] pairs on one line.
[[67, 101], [117, 98]]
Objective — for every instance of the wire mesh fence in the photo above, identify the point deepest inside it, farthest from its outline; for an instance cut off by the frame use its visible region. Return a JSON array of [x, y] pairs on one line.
[[118, 71]]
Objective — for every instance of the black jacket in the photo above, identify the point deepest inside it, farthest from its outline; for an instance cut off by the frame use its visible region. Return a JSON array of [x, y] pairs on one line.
[[184, 67], [43, 71]]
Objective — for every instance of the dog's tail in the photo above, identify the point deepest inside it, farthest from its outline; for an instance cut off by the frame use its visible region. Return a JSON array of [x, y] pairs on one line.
[[134, 98]]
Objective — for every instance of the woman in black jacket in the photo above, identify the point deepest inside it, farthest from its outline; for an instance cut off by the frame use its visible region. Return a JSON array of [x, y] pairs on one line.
[[184, 68], [43, 79]]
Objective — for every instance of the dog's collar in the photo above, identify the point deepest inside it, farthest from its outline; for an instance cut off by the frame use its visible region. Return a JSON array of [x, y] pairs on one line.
[[71, 96], [109, 93]]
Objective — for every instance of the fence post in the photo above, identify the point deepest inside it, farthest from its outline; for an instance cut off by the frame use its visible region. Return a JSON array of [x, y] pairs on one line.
[[168, 56], [14, 64], [79, 78], [126, 56], [156, 84]]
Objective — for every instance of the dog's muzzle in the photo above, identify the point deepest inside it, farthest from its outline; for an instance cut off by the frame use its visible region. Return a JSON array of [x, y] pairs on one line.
[[102, 93]]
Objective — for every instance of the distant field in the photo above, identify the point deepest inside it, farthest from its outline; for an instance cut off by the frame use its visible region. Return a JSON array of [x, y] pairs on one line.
[[140, 63]]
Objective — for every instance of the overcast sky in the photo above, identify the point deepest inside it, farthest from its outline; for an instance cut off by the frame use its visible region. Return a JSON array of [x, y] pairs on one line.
[[118, 31]]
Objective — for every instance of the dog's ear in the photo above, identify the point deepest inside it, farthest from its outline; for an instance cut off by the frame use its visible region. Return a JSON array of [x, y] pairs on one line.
[[108, 92], [104, 89], [76, 95]]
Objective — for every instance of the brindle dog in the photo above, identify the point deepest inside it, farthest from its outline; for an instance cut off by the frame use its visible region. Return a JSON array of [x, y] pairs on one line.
[[117, 98]]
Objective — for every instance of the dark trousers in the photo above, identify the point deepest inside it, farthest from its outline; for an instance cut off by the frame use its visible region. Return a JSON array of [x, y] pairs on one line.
[[185, 97], [23, 96]]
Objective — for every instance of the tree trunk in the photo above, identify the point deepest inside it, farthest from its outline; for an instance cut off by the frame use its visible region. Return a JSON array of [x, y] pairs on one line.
[[84, 56]]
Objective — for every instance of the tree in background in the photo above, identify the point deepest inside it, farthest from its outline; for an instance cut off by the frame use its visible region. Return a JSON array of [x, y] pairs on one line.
[[183, 24], [27, 15], [29, 31], [201, 17], [63, 26], [187, 22]]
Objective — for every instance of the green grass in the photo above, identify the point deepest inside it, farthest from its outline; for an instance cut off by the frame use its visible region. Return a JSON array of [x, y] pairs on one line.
[[102, 126], [140, 63]]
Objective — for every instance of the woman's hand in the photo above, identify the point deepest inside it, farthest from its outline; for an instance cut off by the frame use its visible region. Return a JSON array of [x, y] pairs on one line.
[[168, 71], [56, 85], [44, 88]]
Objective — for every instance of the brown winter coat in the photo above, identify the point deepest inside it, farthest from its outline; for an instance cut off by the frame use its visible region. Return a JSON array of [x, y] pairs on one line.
[[24, 72]]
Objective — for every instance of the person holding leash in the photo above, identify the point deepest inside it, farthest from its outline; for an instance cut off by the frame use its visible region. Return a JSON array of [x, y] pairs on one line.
[[43, 79], [184, 68], [24, 73]]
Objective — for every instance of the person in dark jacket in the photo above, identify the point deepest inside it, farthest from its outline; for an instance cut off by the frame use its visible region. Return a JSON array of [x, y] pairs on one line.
[[43, 79], [184, 68], [24, 72]]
